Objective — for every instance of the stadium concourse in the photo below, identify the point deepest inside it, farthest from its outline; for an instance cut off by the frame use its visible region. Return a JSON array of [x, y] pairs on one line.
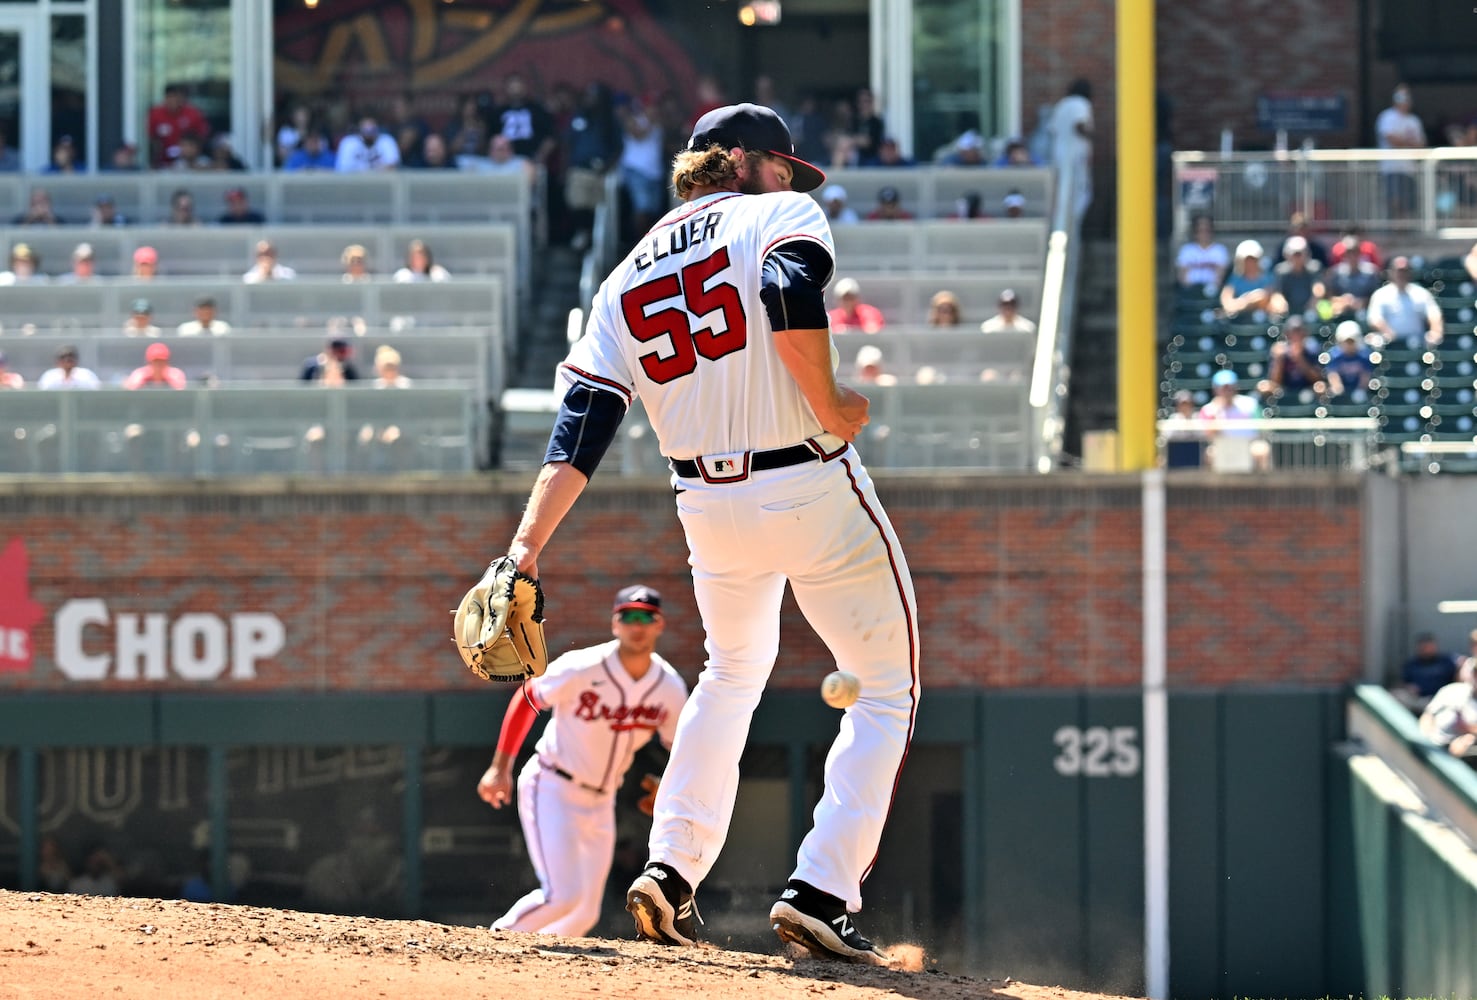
[[59, 947]]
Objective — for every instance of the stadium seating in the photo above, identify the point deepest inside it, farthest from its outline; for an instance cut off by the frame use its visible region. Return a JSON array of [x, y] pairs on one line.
[[943, 247], [934, 192], [240, 430], [304, 303], [467, 356]]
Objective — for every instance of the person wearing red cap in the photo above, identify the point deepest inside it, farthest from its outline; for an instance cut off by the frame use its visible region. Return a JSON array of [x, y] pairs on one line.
[[608, 701], [145, 263], [156, 372], [716, 320]]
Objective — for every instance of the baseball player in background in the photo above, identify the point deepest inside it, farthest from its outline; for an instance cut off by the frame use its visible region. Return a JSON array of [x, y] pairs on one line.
[[716, 319], [608, 702]]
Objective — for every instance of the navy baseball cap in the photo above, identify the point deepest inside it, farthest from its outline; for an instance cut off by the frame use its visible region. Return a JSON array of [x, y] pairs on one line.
[[638, 597], [755, 128]]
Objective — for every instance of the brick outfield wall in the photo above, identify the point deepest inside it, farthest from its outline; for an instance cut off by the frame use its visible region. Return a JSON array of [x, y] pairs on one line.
[[1022, 582]]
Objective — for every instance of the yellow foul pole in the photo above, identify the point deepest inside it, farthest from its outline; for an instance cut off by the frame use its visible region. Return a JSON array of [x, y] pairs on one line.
[[1138, 379]]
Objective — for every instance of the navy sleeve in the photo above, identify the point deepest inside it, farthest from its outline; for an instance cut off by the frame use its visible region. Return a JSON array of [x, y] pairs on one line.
[[792, 285], [586, 425]]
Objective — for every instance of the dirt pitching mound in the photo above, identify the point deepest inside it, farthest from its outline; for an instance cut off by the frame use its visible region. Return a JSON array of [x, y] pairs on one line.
[[64, 947]]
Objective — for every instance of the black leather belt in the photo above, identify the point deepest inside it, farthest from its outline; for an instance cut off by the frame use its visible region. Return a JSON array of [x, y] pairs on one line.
[[759, 461], [571, 778]]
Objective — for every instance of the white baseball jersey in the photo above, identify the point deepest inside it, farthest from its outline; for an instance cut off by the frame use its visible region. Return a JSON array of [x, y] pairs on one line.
[[602, 716], [679, 322], [566, 791]]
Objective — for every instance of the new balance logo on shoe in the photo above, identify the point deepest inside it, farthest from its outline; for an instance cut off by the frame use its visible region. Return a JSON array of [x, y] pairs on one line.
[[789, 894], [656, 873], [843, 925], [685, 910]]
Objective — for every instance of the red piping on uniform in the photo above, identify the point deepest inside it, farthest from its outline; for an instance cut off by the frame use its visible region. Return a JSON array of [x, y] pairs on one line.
[[626, 393], [912, 651], [695, 209]]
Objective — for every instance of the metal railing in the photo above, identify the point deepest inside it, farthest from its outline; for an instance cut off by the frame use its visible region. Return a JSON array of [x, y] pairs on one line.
[[1265, 443], [1431, 191], [1052, 369]]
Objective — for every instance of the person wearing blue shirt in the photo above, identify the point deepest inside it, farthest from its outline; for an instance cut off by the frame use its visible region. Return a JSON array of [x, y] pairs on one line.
[[311, 154], [1427, 671], [1350, 364]]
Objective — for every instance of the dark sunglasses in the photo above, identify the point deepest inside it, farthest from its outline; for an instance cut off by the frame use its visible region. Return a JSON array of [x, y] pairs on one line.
[[633, 616]]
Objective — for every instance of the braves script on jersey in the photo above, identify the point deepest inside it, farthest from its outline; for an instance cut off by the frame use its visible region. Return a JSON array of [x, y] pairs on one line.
[[602, 716], [679, 323]]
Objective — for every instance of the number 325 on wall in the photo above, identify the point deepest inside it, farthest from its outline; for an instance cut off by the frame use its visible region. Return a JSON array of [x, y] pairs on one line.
[[1097, 751]]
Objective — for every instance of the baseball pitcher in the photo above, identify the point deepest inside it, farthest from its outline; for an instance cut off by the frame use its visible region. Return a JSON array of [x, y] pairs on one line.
[[716, 319], [608, 702]]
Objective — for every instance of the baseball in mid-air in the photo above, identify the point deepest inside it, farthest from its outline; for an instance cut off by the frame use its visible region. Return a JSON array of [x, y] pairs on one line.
[[840, 689]]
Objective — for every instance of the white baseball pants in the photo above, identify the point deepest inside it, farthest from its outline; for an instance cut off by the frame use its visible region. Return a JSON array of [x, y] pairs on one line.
[[820, 526]]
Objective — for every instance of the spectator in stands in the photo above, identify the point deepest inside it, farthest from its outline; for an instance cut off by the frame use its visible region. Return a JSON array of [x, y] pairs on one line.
[[145, 264], [169, 121], [68, 374], [311, 154], [766, 95], [1428, 669], [1450, 717], [851, 313], [1008, 318], [192, 155], [223, 153], [1350, 363], [1404, 312], [1071, 128], [420, 265], [367, 149], [433, 154], [890, 154], [205, 321], [1015, 154], [1297, 225], [868, 369], [387, 369], [468, 135], [592, 143], [867, 139], [156, 371], [889, 206], [333, 366], [524, 120], [1013, 205], [182, 209], [38, 210], [267, 267], [1349, 283], [1352, 237], [1295, 372], [63, 158], [355, 261], [25, 267], [239, 211], [1247, 293], [124, 159], [84, 266], [8, 378], [1398, 128], [10, 161], [968, 151], [840, 214], [1227, 402], [1201, 264], [140, 321], [809, 128], [501, 159], [1296, 282], [291, 133], [1183, 433], [642, 168], [943, 309], [105, 213]]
